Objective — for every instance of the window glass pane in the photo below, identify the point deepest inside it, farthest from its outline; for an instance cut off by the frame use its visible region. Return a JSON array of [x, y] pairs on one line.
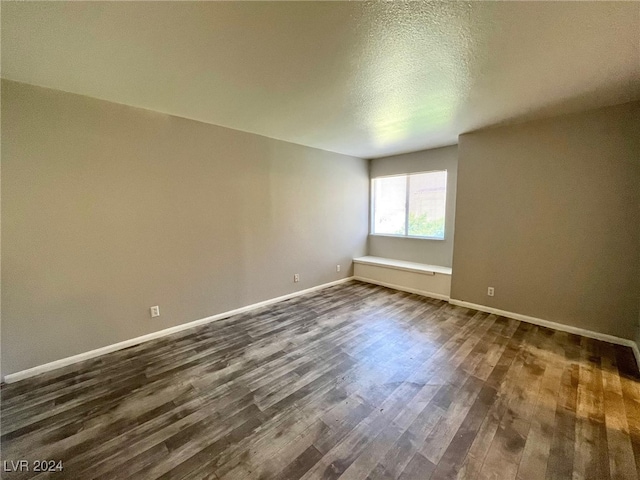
[[427, 199], [390, 197]]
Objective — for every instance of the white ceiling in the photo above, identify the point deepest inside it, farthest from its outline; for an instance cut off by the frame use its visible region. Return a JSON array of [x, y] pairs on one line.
[[363, 78]]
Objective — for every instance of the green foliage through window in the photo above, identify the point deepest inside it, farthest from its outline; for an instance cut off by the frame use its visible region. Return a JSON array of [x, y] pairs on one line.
[[421, 226], [410, 205]]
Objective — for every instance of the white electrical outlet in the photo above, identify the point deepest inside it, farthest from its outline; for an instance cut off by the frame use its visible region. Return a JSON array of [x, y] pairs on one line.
[[155, 311], [296, 277], [490, 291], [337, 268]]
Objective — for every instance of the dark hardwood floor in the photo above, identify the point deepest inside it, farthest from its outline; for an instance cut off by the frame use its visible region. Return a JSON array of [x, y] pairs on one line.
[[354, 381]]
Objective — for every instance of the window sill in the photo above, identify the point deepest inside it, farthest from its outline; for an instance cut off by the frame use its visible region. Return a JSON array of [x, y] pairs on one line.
[[406, 236]]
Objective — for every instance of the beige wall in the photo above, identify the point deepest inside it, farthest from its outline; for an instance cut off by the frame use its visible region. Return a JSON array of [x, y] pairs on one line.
[[433, 252], [548, 214], [108, 210]]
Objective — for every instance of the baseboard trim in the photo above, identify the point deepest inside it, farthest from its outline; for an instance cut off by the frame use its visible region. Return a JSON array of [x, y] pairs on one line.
[[63, 362], [424, 293], [636, 352], [553, 325]]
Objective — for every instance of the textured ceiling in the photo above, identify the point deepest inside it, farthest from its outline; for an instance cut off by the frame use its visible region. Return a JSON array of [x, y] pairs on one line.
[[362, 78]]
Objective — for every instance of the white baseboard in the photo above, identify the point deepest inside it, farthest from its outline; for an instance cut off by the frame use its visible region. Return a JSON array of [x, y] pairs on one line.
[[554, 325], [636, 352], [63, 362], [439, 296]]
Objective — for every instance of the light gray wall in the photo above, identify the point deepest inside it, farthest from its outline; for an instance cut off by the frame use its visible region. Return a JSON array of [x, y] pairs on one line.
[[433, 252], [108, 210], [547, 213]]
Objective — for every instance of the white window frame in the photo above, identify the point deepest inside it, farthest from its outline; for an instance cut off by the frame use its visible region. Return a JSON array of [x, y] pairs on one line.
[[406, 217]]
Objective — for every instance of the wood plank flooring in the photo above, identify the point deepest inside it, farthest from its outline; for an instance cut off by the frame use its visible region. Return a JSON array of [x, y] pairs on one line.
[[353, 382]]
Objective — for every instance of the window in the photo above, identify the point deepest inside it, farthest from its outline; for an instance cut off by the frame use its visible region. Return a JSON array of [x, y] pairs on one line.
[[410, 205]]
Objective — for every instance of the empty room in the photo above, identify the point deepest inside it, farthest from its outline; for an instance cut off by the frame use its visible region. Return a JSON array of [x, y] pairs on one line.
[[320, 240]]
